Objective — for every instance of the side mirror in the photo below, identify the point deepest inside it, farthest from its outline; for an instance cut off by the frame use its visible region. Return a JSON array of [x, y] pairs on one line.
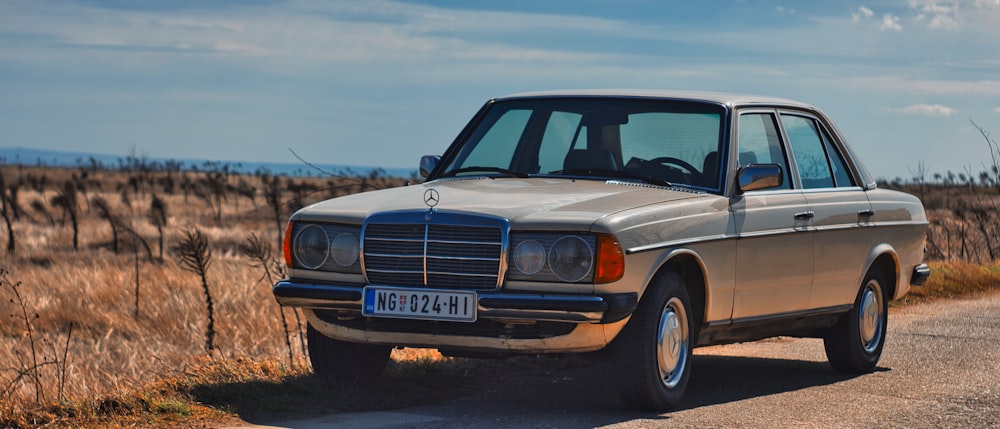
[[427, 164], [752, 177]]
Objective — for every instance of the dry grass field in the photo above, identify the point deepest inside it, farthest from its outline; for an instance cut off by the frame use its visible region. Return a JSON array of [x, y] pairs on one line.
[[110, 333], [91, 322]]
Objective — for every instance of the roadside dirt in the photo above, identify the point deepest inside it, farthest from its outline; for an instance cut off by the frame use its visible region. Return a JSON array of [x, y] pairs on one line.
[[940, 368]]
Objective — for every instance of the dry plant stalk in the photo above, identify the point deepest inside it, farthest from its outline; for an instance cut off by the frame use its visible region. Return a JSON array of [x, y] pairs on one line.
[[31, 368], [100, 204], [260, 251], [272, 194], [158, 217], [195, 256], [7, 206], [67, 200]]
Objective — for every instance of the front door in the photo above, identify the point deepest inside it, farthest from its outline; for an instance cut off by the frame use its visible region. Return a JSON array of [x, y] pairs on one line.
[[775, 253]]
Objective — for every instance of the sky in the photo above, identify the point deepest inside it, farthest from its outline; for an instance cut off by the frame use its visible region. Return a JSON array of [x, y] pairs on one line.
[[380, 83]]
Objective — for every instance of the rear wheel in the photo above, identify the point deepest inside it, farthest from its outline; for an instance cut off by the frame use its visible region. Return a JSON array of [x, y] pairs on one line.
[[344, 361], [652, 355], [854, 344]]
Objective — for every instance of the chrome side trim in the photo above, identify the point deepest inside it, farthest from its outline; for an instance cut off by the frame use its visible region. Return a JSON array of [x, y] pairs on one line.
[[686, 241], [886, 224], [793, 314], [677, 243], [779, 316]]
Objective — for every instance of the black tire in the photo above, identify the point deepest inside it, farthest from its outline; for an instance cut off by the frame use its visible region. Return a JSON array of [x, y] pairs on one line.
[[854, 345], [652, 354], [344, 361]]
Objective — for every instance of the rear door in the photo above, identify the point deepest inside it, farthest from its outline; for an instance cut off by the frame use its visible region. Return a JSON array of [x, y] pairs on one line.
[[840, 211]]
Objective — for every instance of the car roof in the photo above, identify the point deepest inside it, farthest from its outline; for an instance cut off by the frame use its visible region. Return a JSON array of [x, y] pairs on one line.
[[728, 99]]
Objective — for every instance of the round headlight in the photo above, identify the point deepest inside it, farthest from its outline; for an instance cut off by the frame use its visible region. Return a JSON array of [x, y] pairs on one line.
[[311, 247], [345, 249], [529, 257], [571, 259]]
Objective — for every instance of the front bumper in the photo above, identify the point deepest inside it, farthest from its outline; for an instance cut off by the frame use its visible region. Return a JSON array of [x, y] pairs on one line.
[[492, 305]]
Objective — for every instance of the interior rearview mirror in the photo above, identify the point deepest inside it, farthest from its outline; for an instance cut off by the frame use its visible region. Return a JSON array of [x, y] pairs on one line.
[[605, 118]]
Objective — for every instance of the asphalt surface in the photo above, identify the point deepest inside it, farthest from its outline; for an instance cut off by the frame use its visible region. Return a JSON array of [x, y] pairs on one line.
[[940, 368]]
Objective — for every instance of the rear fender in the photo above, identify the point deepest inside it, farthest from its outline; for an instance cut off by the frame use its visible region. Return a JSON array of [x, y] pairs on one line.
[[878, 251]]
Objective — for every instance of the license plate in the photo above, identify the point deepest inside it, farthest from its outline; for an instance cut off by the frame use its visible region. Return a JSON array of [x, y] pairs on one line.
[[425, 304]]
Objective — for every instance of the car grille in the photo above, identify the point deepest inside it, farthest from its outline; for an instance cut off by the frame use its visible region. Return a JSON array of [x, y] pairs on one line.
[[438, 250]]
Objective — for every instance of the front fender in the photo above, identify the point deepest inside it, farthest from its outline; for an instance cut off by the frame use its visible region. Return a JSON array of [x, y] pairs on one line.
[[715, 279]]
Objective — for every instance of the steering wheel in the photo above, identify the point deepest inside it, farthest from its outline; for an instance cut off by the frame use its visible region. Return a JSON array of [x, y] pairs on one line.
[[678, 162]]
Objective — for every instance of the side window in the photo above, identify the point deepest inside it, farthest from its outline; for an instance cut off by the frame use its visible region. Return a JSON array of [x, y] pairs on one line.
[[809, 148], [558, 138], [759, 143], [840, 172]]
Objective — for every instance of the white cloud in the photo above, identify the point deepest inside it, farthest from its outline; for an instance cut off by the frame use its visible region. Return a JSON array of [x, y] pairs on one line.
[[200, 24], [862, 13], [954, 15], [929, 110], [938, 15], [997, 110], [890, 22]]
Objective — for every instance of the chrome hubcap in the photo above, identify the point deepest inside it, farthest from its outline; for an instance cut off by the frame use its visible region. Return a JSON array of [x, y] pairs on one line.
[[672, 343], [871, 317]]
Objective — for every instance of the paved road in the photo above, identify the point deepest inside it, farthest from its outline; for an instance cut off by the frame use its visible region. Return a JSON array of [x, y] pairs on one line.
[[940, 368]]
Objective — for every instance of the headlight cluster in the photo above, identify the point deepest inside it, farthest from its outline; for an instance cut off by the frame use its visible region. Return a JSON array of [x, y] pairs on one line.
[[568, 258], [326, 247]]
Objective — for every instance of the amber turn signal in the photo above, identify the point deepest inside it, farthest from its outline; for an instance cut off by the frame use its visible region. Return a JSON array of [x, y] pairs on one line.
[[286, 244], [610, 259]]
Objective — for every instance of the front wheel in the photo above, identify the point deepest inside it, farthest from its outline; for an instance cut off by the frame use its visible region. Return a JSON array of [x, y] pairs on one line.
[[855, 343], [344, 361], [652, 355]]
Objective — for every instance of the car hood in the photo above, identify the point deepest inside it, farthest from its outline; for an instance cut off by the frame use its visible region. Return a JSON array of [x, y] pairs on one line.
[[533, 203]]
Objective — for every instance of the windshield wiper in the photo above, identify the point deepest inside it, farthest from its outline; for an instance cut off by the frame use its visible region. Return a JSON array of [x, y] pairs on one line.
[[614, 174], [482, 169]]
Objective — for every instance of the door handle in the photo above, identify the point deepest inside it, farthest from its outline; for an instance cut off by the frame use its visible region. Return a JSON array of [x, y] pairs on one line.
[[866, 213], [805, 215]]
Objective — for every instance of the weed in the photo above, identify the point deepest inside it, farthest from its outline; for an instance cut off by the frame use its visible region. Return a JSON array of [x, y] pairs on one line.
[[262, 255], [104, 211], [158, 217], [29, 365], [195, 256], [954, 278], [67, 200]]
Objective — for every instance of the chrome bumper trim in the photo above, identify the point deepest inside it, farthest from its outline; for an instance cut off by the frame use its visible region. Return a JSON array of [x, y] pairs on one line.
[[920, 275], [492, 305]]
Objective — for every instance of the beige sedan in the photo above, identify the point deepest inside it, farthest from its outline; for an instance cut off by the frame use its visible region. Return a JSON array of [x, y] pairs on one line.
[[646, 222]]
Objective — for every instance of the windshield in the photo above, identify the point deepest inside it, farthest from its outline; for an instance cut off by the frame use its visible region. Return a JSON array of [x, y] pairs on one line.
[[656, 141]]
